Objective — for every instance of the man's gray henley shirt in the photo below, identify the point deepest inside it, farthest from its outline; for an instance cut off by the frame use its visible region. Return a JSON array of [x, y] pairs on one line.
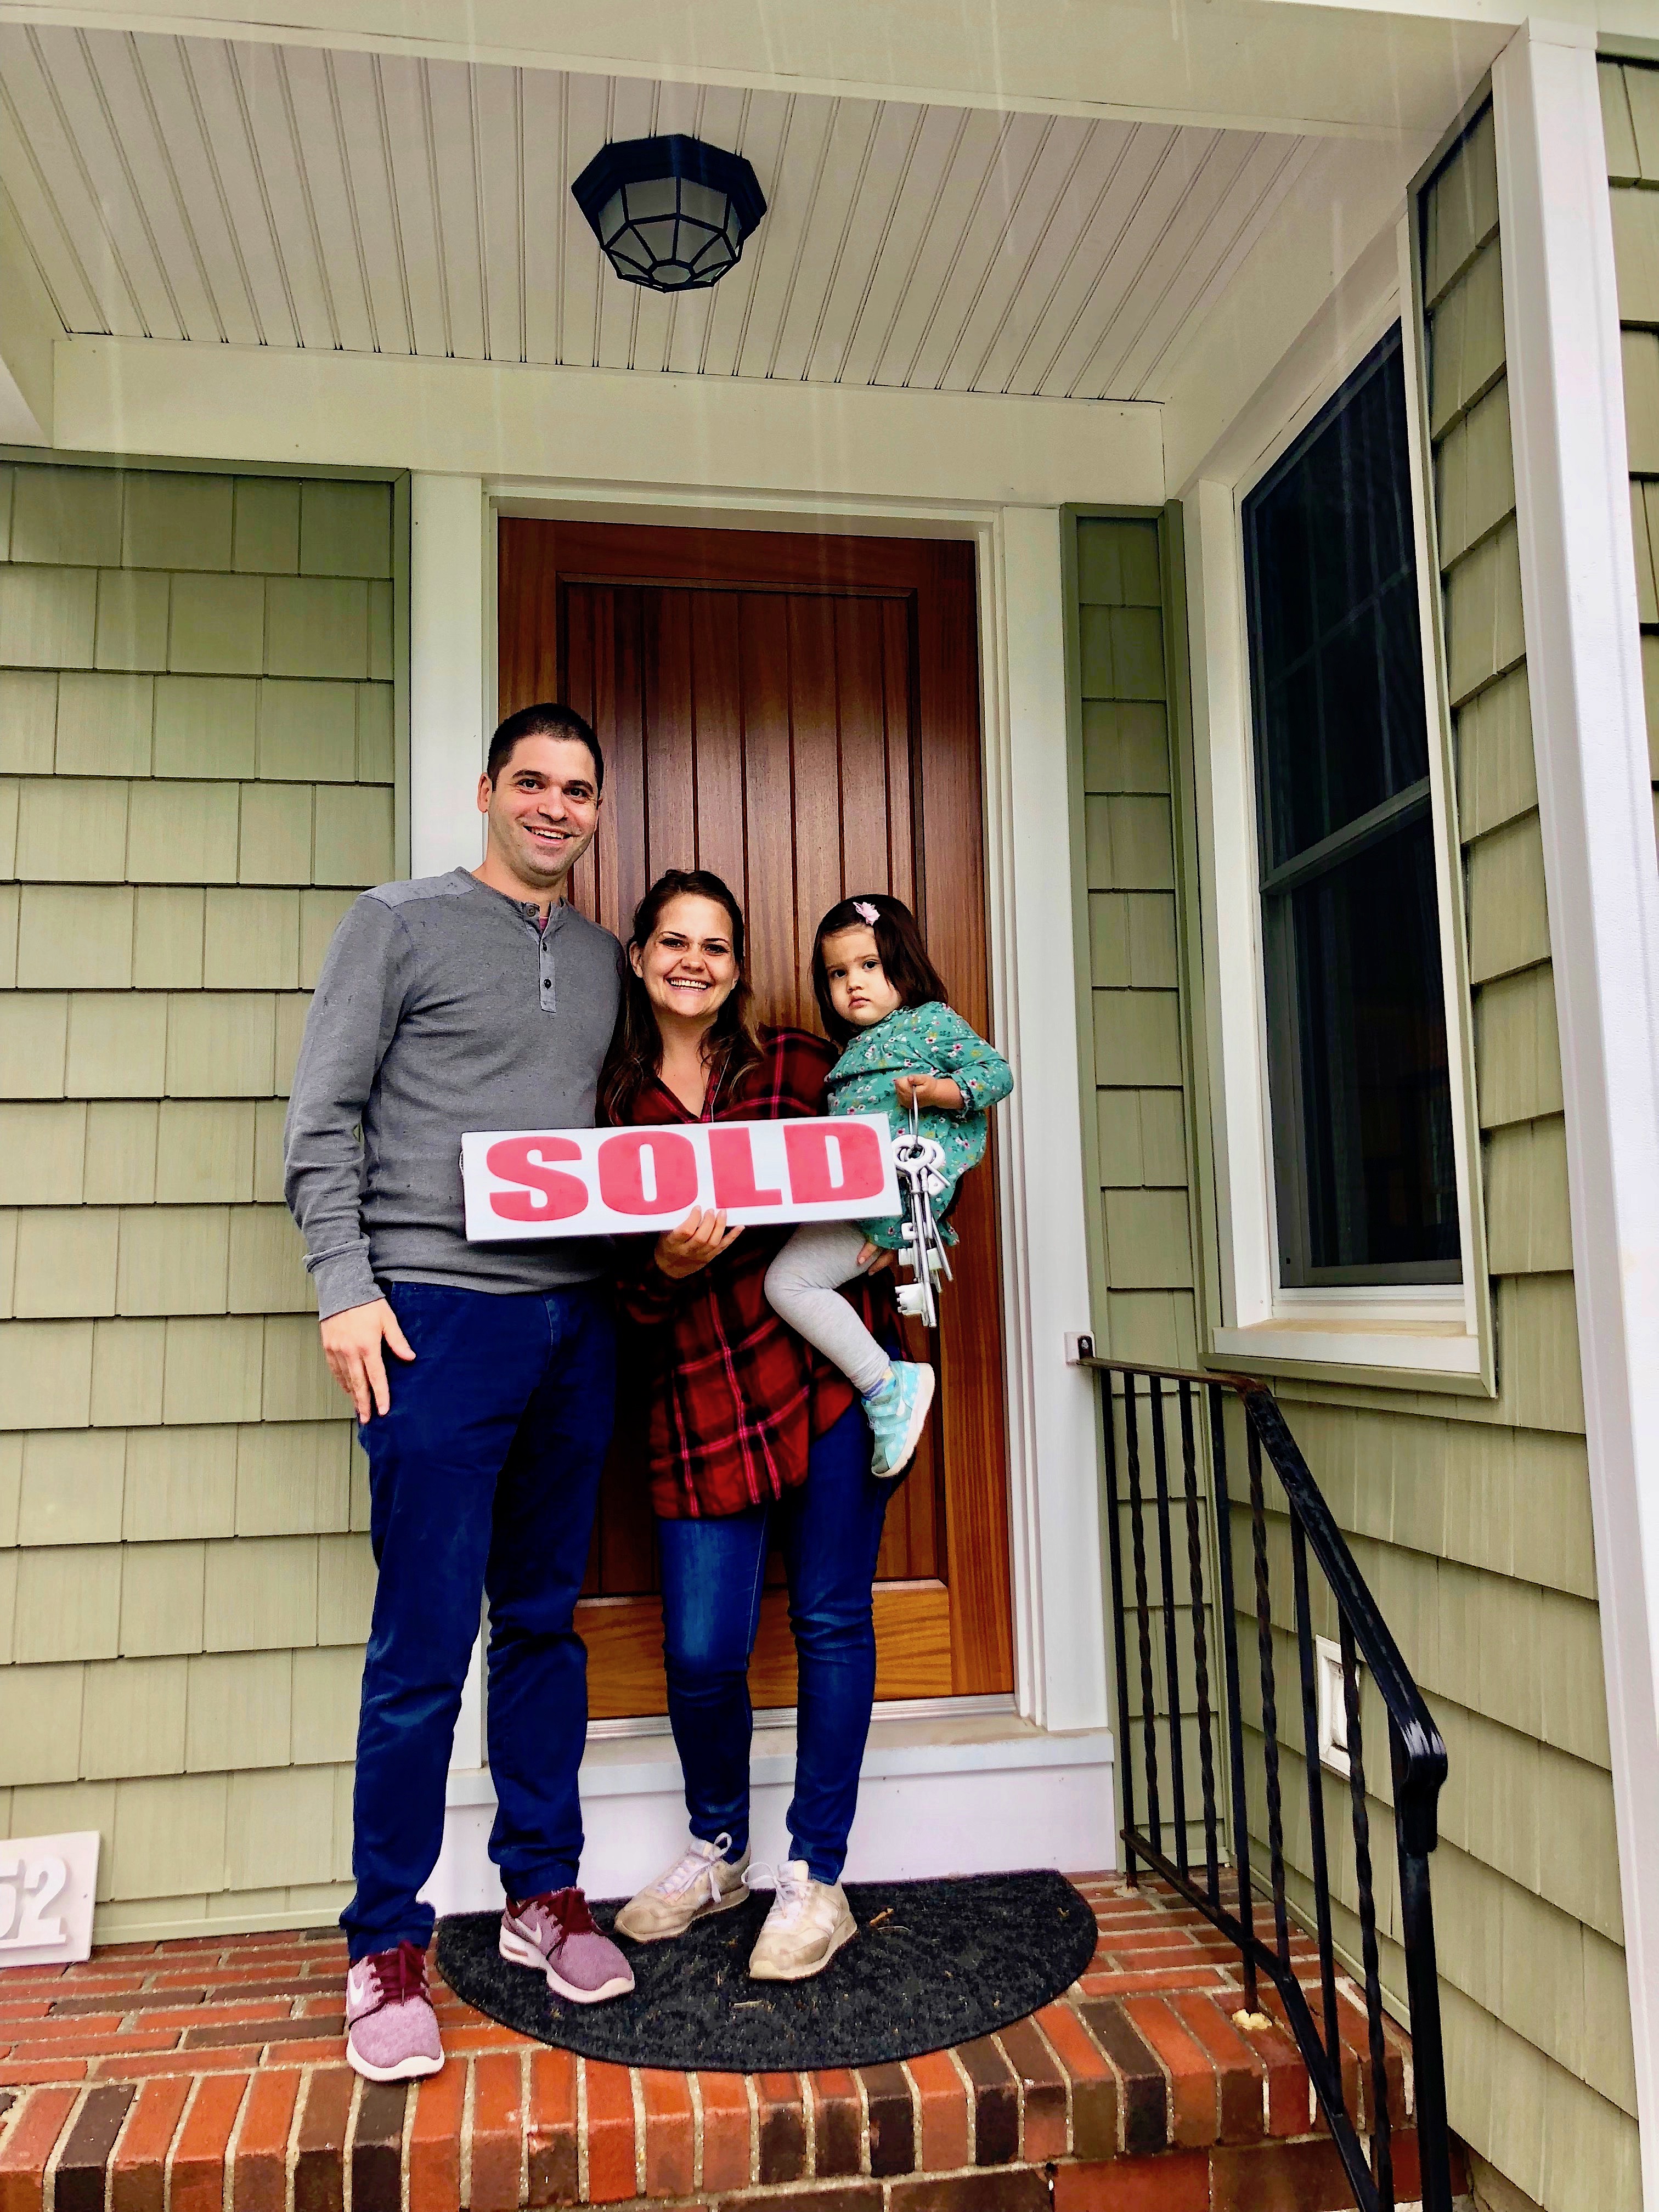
[[441, 1007]]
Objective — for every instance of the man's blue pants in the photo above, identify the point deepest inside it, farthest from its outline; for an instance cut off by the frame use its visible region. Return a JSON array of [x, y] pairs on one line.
[[484, 1477]]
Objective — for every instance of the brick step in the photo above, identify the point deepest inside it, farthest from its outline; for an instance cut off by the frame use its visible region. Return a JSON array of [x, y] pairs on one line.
[[1095, 2107], [280, 2140], [209, 2078]]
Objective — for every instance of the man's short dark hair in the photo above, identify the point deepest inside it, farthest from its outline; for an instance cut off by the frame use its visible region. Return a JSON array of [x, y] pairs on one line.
[[547, 721]]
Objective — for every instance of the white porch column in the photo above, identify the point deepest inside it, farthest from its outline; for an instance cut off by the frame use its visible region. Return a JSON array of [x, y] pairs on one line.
[[448, 671], [1577, 575], [1057, 1488]]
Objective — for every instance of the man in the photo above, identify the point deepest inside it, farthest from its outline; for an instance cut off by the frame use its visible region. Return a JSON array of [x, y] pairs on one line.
[[474, 1000]]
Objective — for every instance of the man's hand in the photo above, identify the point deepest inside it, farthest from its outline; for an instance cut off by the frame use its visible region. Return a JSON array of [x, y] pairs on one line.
[[351, 1346], [929, 1090], [700, 1238]]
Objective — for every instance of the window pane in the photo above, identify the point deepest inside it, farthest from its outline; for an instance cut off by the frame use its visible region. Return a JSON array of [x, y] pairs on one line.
[[1336, 644], [1376, 1105], [1356, 1031]]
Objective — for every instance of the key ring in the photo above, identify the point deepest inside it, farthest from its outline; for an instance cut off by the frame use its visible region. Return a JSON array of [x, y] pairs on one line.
[[919, 1162]]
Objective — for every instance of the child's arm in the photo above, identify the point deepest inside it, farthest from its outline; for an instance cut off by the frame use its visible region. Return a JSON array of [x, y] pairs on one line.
[[937, 1093], [963, 1062]]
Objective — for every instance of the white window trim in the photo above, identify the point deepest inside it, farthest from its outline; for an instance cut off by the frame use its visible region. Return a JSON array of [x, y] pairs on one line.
[[1435, 1330]]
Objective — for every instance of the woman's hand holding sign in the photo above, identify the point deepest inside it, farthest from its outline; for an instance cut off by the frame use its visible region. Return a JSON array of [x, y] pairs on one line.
[[687, 1250]]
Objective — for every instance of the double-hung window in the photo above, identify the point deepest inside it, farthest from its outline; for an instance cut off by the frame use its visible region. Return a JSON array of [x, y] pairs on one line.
[[1361, 1104]]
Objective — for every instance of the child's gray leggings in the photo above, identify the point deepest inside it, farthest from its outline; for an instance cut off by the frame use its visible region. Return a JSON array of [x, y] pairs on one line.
[[803, 1284]]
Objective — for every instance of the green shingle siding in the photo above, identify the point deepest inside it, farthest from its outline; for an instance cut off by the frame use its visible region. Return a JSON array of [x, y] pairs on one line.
[[197, 752]]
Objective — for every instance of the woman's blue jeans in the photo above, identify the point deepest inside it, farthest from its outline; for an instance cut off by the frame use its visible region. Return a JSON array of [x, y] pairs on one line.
[[712, 1573]]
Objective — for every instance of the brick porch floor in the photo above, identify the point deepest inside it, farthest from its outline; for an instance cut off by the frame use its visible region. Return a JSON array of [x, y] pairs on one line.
[[209, 2077]]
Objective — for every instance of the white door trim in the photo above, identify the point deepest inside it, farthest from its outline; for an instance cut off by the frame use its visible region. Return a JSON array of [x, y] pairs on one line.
[[451, 609], [451, 606], [1594, 801], [1053, 1447]]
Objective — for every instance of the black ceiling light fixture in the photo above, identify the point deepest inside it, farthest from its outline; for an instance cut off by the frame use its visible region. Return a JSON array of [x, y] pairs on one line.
[[669, 213]]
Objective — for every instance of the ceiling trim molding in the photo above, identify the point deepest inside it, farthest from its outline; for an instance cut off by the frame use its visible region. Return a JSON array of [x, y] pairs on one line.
[[683, 434]]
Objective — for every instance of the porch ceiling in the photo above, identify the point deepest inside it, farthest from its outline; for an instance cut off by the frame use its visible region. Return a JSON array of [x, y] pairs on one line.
[[296, 196]]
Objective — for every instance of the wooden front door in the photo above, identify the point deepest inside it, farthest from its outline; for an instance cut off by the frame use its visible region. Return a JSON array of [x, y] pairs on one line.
[[800, 715]]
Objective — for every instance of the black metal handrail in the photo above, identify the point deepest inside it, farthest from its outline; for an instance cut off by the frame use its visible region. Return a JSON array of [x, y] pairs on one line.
[[1151, 1395]]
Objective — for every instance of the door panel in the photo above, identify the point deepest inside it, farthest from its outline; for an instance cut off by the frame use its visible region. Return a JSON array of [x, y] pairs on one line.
[[800, 715], [624, 1636]]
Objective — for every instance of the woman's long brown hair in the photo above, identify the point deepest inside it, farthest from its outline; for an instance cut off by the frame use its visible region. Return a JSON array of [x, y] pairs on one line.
[[732, 1043]]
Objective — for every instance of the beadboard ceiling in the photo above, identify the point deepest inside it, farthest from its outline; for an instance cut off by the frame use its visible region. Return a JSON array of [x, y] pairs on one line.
[[294, 196]]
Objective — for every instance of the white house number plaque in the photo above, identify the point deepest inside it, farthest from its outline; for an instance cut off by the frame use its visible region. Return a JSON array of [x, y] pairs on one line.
[[46, 1889]]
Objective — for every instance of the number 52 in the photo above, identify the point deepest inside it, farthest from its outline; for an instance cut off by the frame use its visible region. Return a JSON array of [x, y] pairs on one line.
[[26, 1888]]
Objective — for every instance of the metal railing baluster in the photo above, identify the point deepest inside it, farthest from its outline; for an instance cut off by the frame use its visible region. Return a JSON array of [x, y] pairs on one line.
[[1224, 1532], [1200, 1647], [1143, 1613], [1114, 1542], [1171, 1661], [1264, 1645], [1322, 1865], [1414, 1834], [1382, 2145]]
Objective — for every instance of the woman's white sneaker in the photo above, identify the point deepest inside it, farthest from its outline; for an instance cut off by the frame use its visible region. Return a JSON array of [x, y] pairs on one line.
[[702, 1880], [807, 1925]]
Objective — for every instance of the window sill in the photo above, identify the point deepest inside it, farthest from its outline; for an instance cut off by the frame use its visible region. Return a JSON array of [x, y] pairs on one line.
[[1412, 1353]]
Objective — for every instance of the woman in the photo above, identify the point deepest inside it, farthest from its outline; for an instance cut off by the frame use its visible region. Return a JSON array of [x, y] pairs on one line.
[[752, 1435]]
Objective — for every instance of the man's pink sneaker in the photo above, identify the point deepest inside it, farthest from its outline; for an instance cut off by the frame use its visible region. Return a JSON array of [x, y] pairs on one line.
[[556, 1932], [392, 2031]]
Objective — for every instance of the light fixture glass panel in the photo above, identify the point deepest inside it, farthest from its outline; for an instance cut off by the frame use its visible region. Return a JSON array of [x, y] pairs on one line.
[[702, 203], [654, 196], [628, 246], [657, 237]]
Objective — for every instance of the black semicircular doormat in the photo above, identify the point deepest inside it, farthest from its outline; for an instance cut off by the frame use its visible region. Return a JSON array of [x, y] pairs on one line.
[[934, 1963]]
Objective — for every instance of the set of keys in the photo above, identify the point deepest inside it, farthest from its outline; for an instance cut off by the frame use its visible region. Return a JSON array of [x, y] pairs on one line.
[[918, 1161]]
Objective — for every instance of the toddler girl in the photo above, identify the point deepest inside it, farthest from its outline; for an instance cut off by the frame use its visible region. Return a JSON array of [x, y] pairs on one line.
[[882, 1001]]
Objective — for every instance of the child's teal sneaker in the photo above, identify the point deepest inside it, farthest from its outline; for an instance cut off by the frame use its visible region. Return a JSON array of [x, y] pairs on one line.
[[898, 1414]]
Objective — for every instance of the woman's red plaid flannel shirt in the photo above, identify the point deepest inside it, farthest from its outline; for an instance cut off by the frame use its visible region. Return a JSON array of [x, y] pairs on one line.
[[736, 1396]]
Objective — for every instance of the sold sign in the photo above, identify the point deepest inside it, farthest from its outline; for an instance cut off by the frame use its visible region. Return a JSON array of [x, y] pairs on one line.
[[589, 1183]]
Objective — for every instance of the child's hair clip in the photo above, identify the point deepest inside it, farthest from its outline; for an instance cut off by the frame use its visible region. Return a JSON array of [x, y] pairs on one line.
[[866, 908]]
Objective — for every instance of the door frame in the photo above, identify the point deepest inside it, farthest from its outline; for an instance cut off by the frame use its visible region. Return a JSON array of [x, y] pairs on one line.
[[1055, 1536], [945, 1625]]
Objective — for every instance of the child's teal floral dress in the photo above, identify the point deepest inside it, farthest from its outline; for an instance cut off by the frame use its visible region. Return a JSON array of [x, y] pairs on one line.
[[926, 1039]]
